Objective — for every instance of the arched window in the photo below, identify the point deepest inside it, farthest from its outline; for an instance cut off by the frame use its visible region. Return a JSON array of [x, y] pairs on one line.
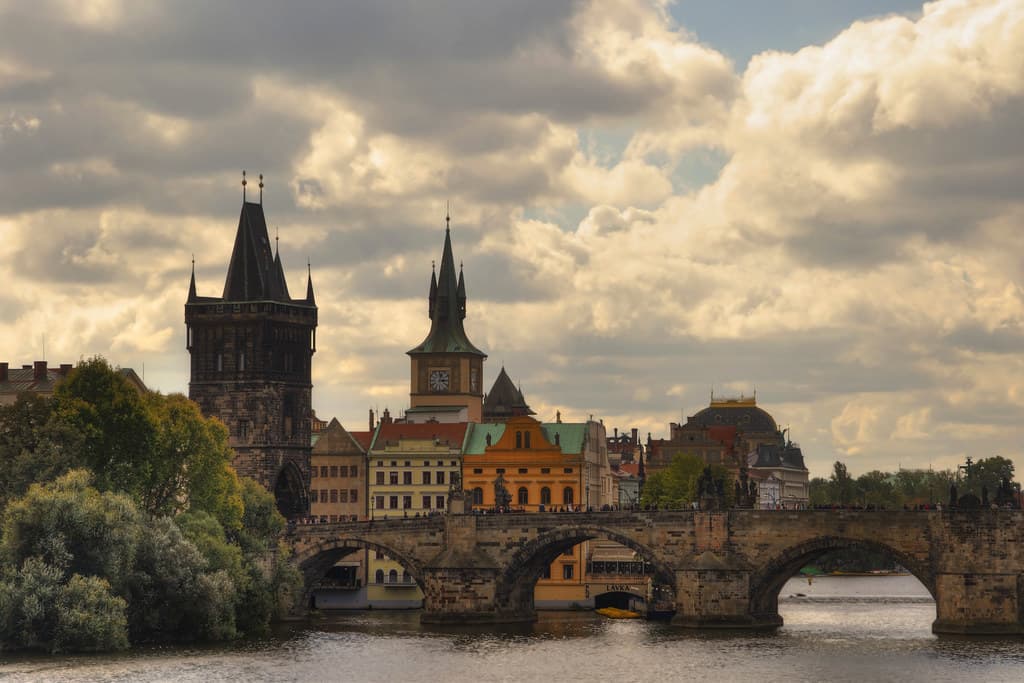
[[519, 439], [524, 495], [379, 576], [567, 495], [545, 496], [393, 576], [406, 578], [526, 439], [478, 496]]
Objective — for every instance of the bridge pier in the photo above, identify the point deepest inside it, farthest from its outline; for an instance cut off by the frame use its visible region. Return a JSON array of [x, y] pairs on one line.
[[718, 598], [979, 604], [466, 595]]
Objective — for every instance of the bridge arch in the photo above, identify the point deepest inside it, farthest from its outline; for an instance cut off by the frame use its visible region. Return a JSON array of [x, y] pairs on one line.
[[767, 580], [515, 585], [315, 560]]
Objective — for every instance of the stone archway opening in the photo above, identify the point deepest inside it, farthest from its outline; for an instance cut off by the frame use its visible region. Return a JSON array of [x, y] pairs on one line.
[[767, 583], [356, 574], [290, 492], [621, 600], [517, 587]]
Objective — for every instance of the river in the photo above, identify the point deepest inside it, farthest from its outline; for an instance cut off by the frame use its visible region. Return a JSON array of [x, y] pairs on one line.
[[837, 629]]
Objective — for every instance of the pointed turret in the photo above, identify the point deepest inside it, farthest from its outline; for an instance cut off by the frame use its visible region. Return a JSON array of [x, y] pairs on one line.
[[192, 284], [282, 283], [447, 334], [310, 299], [461, 294], [433, 291], [504, 400]]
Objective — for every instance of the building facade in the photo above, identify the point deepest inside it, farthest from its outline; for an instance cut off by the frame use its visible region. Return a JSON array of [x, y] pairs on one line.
[[251, 355]]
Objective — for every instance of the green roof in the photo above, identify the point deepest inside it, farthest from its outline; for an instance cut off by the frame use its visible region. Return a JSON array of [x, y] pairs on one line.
[[476, 441], [570, 434]]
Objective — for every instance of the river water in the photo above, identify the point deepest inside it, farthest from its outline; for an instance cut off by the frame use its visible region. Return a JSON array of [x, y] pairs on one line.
[[837, 629]]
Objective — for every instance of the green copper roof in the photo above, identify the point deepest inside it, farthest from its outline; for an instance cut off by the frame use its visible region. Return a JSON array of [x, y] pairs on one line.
[[570, 436], [476, 441], [447, 310]]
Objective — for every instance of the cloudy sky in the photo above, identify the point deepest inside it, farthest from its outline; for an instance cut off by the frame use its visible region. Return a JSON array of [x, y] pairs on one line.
[[822, 201]]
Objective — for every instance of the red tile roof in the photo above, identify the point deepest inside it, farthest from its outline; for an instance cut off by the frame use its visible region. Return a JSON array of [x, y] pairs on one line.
[[453, 432]]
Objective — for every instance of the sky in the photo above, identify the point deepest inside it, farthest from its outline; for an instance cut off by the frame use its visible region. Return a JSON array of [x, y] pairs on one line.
[[819, 201]]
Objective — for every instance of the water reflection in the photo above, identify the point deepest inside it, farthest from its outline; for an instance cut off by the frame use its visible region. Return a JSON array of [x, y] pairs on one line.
[[882, 633]]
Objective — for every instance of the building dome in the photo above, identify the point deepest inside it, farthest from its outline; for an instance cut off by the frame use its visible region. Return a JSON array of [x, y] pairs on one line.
[[741, 413]]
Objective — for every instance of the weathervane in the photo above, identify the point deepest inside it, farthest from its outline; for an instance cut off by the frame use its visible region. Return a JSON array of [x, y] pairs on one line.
[[261, 189], [244, 183]]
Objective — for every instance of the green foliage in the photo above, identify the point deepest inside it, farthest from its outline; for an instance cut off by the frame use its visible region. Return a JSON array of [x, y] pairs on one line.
[[261, 521], [676, 486], [117, 433], [191, 463], [988, 473], [36, 444], [89, 617]]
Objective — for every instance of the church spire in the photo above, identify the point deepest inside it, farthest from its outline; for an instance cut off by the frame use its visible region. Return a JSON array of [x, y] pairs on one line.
[[462, 294], [433, 291], [447, 307]]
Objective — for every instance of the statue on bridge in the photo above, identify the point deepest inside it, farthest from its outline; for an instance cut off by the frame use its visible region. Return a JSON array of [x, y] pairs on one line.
[[710, 490], [502, 498], [745, 490]]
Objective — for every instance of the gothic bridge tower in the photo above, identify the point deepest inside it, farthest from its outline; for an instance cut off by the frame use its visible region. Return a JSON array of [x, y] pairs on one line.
[[251, 355], [447, 370]]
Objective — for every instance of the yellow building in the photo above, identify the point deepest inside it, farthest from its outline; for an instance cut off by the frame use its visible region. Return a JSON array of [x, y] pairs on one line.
[[409, 469], [543, 467]]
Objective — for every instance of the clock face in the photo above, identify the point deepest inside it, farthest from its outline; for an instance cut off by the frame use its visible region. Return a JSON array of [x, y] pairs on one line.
[[439, 380]]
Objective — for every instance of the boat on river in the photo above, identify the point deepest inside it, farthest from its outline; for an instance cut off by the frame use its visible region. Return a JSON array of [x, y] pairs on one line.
[[616, 613]]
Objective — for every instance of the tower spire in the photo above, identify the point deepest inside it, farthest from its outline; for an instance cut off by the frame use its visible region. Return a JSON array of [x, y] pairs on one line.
[[310, 299], [192, 283], [244, 183], [261, 189]]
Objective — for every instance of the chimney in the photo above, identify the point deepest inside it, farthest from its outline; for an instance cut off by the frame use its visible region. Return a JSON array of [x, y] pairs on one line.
[[65, 369], [371, 419], [3, 372], [616, 434], [39, 372], [635, 435]]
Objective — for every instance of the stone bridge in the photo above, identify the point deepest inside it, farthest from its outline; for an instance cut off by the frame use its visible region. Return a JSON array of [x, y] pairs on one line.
[[713, 569]]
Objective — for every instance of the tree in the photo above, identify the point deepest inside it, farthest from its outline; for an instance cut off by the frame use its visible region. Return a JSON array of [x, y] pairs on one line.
[[36, 444], [988, 472], [191, 463], [841, 485], [118, 434], [676, 486]]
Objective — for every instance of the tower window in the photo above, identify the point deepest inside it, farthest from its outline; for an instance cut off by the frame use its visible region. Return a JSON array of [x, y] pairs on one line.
[[526, 439], [519, 439], [241, 361], [220, 362]]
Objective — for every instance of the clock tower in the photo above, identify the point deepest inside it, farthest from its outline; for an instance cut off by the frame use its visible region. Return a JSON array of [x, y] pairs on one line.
[[447, 369]]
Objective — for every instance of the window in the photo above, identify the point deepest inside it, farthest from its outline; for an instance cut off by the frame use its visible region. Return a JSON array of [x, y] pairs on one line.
[[334, 470], [334, 495], [545, 496], [323, 495], [393, 502], [478, 496], [379, 576], [378, 502], [394, 463], [406, 502], [546, 574], [353, 471], [523, 470], [545, 470], [380, 478], [407, 478], [524, 496], [353, 495], [313, 471], [567, 470], [220, 362], [567, 495], [477, 470], [393, 576], [405, 576], [323, 470], [243, 430], [393, 478], [426, 480], [313, 496], [408, 463], [526, 440], [453, 463], [241, 361], [501, 470], [334, 518], [343, 496], [426, 502], [343, 470], [440, 477], [519, 439], [439, 502], [566, 571]]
